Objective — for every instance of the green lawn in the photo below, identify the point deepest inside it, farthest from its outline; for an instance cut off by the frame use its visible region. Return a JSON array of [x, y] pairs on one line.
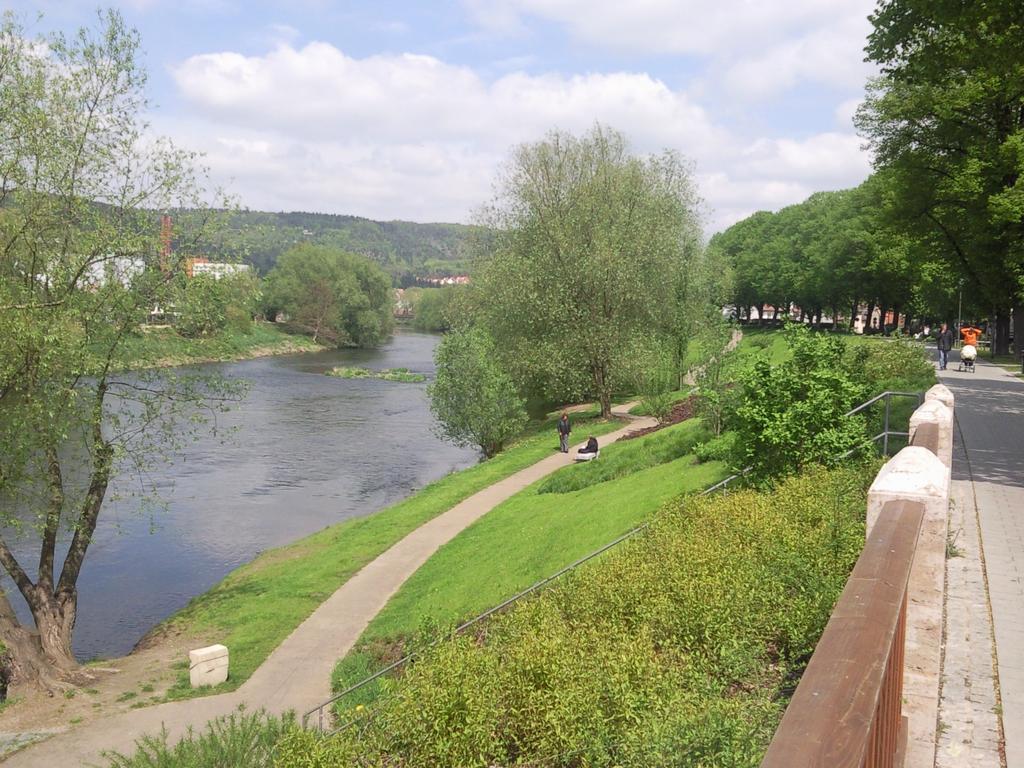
[[165, 347], [254, 608], [528, 537], [769, 343]]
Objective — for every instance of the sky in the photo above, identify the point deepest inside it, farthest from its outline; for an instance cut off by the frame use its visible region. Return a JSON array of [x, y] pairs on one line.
[[406, 109]]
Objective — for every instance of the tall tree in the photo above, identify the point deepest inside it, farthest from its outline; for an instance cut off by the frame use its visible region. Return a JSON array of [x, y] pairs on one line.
[[580, 273], [946, 119], [81, 264], [337, 296], [474, 400]]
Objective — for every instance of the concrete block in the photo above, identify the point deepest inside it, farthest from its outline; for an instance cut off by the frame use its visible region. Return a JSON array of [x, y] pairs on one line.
[[913, 474], [936, 412], [942, 393], [208, 666]]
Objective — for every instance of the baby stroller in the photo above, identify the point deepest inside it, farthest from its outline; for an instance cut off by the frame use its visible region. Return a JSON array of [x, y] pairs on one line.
[[968, 354]]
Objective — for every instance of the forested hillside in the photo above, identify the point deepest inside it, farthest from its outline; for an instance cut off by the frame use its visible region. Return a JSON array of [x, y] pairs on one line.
[[403, 248]]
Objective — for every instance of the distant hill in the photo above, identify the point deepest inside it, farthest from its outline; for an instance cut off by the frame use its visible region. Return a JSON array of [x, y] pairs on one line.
[[404, 248]]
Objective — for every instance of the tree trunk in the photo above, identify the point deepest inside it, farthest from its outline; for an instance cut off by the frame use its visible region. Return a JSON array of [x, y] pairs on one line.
[[1001, 338], [55, 616], [760, 314], [853, 315], [28, 665], [1018, 329], [604, 395]]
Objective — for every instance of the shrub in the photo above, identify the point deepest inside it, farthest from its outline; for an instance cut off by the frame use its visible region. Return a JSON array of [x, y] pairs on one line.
[[236, 739], [720, 448], [238, 319], [792, 414], [891, 365], [659, 405], [672, 649]]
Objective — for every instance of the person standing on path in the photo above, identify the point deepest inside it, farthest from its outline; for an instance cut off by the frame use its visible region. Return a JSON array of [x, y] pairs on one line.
[[563, 432], [944, 343]]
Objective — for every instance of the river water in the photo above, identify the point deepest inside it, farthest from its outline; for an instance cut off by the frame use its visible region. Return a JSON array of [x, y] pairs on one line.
[[308, 450]]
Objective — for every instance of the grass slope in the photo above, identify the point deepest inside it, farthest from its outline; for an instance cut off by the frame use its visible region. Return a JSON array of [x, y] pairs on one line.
[[531, 536], [255, 607]]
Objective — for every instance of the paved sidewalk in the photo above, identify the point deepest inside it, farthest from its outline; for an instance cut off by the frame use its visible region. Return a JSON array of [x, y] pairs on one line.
[[989, 471], [297, 674]]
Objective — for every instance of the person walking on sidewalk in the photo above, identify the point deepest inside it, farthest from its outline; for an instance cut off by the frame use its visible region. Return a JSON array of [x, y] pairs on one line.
[[563, 432], [944, 343]]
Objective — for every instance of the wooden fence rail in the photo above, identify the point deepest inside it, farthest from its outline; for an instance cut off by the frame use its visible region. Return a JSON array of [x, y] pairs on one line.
[[847, 710]]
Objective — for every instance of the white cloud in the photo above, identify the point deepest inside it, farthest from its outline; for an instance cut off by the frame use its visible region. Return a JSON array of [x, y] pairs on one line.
[[411, 136], [846, 111], [758, 48]]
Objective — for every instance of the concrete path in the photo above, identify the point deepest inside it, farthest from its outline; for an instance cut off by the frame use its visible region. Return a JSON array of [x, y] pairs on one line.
[[988, 481], [296, 676]]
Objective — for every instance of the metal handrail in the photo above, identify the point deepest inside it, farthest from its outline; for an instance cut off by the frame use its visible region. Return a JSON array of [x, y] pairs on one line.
[[721, 485]]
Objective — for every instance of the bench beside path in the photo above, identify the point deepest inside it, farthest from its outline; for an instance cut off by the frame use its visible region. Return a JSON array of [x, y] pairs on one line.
[[296, 676]]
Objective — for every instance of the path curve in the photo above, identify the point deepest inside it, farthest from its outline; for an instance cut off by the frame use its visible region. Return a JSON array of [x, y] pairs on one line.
[[296, 675]]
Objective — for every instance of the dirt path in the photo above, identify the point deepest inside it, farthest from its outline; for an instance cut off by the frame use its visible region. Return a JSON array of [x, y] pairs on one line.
[[296, 676]]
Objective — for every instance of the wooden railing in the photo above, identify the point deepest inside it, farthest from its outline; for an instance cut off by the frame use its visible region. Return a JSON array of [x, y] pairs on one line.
[[847, 710]]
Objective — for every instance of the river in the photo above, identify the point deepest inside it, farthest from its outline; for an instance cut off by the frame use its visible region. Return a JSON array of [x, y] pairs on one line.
[[307, 450]]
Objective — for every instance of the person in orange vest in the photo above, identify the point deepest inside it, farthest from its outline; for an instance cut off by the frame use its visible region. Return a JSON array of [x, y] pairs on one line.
[[970, 335]]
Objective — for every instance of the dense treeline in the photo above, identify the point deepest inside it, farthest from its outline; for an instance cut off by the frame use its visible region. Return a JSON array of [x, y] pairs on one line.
[[404, 249], [831, 254], [944, 214]]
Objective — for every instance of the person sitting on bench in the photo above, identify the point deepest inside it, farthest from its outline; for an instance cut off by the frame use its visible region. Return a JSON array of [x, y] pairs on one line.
[[590, 447]]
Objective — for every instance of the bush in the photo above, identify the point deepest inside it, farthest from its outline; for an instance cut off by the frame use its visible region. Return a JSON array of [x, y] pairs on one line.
[[720, 448], [673, 649], [234, 740], [891, 365], [203, 307], [659, 405], [792, 414], [238, 319]]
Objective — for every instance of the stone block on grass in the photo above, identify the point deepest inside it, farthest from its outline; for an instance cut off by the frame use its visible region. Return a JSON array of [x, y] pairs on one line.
[[208, 666]]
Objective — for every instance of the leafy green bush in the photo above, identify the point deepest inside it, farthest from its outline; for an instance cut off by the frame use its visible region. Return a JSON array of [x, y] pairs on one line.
[[891, 365], [720, 448], [234, 740], [659, 405], [791, 414], [238, 319], [628, 457], [672, 649]]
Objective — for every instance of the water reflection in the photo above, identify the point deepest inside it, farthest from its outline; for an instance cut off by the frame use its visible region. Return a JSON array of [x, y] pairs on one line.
[[308, 450]]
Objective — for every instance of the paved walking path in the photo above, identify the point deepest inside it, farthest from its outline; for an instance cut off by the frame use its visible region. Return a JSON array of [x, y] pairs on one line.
[[988, 491], [297, 674]]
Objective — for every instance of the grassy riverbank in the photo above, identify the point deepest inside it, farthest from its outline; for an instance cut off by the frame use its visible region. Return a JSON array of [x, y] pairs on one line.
[[254, 608], [532, 535], [163, 347]]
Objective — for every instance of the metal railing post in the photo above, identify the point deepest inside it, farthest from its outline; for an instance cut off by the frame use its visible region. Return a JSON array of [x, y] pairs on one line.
[[885, 440]]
